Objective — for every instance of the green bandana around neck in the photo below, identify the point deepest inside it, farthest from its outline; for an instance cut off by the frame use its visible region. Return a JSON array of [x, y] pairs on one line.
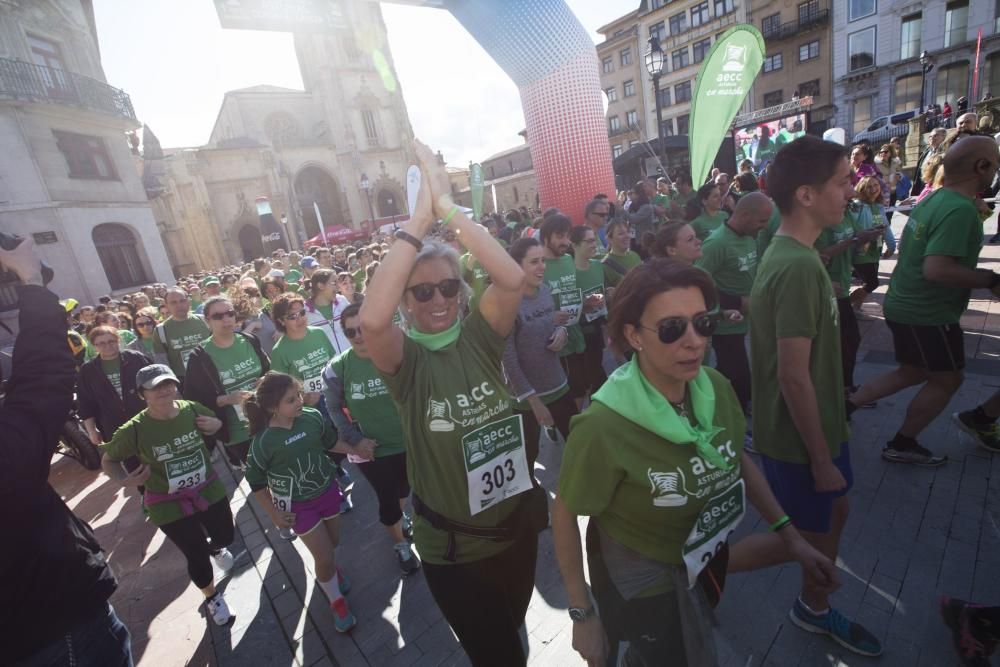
[[436, 341], [629, 393]]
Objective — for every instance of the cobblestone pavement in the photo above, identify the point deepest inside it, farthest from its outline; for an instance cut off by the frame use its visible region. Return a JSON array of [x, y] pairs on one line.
[[913, 535]]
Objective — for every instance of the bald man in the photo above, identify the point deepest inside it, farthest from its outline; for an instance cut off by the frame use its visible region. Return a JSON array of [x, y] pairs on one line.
[[729, 255], [928, 293], [967, 122]]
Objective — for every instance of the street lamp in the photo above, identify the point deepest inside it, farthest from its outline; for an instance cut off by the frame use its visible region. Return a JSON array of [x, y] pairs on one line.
[[392, 210], [654, 65], [367, 187], [927, 63]]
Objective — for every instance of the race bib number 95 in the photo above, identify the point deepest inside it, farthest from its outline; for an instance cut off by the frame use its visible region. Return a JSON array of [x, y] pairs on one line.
[[313, 385], [495, 463]]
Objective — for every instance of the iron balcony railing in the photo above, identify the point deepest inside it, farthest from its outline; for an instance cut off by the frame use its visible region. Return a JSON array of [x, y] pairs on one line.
[[806, 21], [24, 80]]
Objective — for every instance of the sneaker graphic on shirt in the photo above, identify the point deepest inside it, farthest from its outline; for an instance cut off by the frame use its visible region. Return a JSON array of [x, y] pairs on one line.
[[358, 391], [440, 416], [669, 486]]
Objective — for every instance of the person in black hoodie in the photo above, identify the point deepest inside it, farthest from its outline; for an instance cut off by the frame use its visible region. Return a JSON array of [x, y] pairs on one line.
[[223, 372], [106, 391], [56, 581]]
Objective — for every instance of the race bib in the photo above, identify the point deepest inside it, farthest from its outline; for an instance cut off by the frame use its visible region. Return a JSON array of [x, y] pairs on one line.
[[242, 416], [313, 385], [185, 355], [715, 525], [186, 471], [495, 463], [571, 301], [599, 312], [281, 492]]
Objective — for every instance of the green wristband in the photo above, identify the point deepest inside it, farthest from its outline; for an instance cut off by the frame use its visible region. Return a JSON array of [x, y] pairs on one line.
[[780, 523], [451, 214]]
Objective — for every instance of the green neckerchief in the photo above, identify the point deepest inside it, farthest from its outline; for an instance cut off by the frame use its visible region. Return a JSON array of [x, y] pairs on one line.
[[435, 342], [630, 394]]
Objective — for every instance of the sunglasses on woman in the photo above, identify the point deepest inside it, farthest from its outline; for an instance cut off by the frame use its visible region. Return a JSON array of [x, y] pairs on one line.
[[223, 315], [672, 329], [291, 317], [146, 323], [351, 332], [424, 292]]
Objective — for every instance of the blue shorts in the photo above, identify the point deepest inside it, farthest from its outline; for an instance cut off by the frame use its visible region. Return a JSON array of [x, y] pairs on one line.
[[795, 489]]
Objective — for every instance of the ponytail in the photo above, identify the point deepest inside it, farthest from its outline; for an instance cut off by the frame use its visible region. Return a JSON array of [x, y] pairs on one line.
[[260, 407], [256, 415]]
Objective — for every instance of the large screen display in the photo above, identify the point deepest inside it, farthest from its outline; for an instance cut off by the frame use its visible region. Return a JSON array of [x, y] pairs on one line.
[[761, 141]]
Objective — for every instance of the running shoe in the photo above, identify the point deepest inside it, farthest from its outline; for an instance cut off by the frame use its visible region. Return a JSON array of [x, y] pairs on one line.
[[286, 533], [224, 559], [344, 584], [848, 634], [407, 526], [346, 505], [915, 455], [344, 479], [343, 619], [218, 609], [972, 651], [408, 561], [985, 435]]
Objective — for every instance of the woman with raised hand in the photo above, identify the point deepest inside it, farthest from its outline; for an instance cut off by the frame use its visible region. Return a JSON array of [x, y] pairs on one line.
[[294, 480], [661, 446], [222, 372], [478, 511]]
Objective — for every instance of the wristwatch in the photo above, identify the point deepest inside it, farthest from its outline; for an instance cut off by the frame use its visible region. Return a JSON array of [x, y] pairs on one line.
[[578, 615]]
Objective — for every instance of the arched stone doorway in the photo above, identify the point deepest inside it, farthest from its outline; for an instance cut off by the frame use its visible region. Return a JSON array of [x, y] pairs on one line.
[[314, 185], [121, 255], [388, 203], [250, 243]]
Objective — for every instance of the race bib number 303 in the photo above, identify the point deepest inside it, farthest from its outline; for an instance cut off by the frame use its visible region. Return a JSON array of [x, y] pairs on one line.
[[495, 463], [185, 472]]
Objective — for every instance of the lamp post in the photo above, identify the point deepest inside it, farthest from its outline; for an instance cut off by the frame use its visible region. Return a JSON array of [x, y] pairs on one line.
[[654, 66], [927, 63], [392, 210], [367, 187]]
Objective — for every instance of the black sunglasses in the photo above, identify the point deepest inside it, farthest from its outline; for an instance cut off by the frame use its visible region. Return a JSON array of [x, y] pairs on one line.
[[223, 315], [671, 329], [146, 323], [296, 315], [351, 332], [424, 292]]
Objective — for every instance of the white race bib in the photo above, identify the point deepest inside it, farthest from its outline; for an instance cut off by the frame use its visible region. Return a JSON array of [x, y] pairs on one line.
[[281, 492], [242, 416], [185, 471], [571, 301], [495, 463], [185, 355], [313, 385], [599, 312], [715, 525]]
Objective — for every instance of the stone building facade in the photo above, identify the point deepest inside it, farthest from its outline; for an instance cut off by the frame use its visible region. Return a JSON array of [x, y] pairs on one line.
[[67, 175]]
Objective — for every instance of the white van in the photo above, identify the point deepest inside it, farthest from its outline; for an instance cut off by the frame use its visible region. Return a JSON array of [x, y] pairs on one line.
[[884, 128]]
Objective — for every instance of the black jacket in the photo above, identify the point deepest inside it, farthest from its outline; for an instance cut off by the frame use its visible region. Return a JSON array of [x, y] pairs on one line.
[[52, 572], [202, 382], [96, 396]]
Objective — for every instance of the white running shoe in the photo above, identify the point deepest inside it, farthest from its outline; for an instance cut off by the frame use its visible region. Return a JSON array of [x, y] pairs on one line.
[[218, 609], [224, 560]]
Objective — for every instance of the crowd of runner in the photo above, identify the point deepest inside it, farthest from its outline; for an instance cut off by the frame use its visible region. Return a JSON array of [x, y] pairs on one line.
[[435, 360]]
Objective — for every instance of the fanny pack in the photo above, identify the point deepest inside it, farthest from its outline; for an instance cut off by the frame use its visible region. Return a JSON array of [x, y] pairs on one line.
[[530, 517]]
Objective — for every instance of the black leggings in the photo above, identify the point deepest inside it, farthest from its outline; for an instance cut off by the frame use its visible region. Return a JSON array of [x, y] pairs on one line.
[[387, 475], [485, 601], [731, 354], [237, 453], [562, 409], [850, 339], [593, 358], [189, 536], [868, 274]]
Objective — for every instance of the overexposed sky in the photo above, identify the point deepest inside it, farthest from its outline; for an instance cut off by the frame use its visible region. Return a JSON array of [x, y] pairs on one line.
[[176, 63]]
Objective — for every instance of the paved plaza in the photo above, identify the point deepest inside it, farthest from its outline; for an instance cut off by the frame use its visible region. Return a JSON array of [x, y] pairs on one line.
[[914, 534]]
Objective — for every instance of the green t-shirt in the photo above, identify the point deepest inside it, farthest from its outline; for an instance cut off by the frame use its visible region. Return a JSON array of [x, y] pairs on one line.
[[126, 337], [369, 403], [705, 224], [182, 338], [867, 217], [945, 223], [633, 480], [793, 298], [662, 201], [476, 277], [443, 398], [560, 276], [147, 344], [195, 305], [176, 455], [681, 200], [293, 276], [731, 260], [840, 265], [590, 282], [293, 462], [360, 276], [113, 370], [304, 359], [239, 367], [628, 261], [765, 235]]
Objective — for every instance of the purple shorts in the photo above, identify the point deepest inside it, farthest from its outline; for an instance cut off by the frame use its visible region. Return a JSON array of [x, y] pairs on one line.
[[308, 513]]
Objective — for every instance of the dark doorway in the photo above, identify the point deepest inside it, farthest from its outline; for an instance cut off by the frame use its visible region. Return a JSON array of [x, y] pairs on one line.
[[314, 185], [250, 242], [388, 203]]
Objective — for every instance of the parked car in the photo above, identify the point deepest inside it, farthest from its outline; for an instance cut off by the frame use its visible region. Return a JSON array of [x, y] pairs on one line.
[[884, 128]]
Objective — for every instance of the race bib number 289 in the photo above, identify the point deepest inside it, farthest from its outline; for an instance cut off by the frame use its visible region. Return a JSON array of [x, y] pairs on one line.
[[495, 463]]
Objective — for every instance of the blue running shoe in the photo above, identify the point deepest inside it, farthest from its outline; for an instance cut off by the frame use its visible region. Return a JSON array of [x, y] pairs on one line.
[[345, 583], [848, 634]]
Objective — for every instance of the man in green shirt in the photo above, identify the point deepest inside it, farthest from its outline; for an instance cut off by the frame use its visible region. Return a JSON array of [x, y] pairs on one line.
[[595, 216], [180, 334], [729, 255], [799, 420], [928, 293], [560, 276]]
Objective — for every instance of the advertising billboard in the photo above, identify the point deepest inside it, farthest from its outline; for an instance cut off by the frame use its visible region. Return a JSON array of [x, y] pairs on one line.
[[281, 15]]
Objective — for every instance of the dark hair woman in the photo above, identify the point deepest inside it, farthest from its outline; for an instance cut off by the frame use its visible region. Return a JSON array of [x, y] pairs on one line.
[[665, 422], [712, 215], [325, 305]]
